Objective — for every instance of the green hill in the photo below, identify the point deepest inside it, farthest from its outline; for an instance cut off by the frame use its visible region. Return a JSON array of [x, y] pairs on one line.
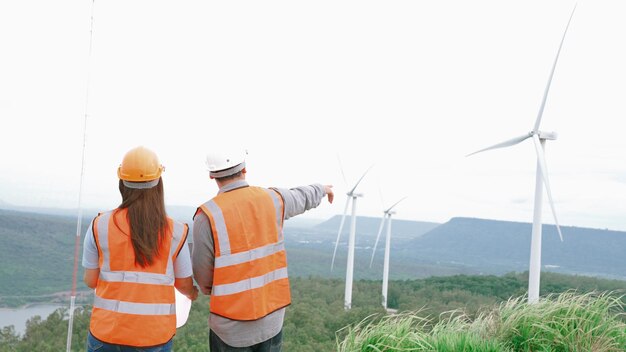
[[36, 251]]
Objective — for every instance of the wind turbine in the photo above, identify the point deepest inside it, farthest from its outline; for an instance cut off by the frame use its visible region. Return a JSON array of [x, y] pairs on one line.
[[352, 196], [539, 139], [386, 216]]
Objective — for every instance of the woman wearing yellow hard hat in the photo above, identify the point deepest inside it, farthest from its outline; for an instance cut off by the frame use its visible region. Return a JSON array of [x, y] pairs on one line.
[[135, 256]]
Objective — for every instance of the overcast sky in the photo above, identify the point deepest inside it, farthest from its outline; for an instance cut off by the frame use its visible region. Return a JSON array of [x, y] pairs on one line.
[[410, 87]]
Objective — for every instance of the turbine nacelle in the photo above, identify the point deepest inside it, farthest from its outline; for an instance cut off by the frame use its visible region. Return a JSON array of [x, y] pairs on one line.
[[550, 136]]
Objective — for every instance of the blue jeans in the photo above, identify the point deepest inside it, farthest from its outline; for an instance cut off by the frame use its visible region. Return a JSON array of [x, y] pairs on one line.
[[95, 345], [275, 344]]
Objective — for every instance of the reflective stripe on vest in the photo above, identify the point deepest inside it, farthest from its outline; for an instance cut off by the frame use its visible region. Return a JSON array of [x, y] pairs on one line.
[[127, 295], [102, 227], [134, 308], [250, 270], [248, 256], [279, 212], [140, 278], [249, 284], [220, 227]]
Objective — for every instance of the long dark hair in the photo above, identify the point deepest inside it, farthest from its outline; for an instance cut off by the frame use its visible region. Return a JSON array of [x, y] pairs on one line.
[[147, 219]]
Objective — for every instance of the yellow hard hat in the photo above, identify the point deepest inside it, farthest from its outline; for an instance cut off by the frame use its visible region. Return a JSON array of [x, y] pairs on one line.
[[140, 164]]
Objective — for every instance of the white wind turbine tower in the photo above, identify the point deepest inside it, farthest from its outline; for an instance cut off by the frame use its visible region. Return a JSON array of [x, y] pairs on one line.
[[539, 139], [386, 216], [352, 196]]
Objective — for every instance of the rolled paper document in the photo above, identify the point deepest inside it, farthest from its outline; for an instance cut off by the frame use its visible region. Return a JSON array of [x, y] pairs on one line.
[[183, 305]]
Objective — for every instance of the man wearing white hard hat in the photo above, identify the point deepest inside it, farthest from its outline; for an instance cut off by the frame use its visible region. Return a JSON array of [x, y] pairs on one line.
[[239, 254]]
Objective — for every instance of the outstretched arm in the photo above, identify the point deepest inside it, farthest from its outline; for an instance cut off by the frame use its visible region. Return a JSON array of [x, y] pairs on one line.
[[300, 199]]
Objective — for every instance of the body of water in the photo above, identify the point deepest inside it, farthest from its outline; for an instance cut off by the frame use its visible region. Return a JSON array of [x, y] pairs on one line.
[[18, 316]]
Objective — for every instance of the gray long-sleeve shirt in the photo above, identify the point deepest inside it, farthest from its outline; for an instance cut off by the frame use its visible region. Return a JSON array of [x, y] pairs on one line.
[[245, 333]]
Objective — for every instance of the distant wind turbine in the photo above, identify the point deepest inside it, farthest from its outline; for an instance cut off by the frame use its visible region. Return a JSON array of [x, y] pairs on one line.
[[386, 216], [539, 138], [352, 196]]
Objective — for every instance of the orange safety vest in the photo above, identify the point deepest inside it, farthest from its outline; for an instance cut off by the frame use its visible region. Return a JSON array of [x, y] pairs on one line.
[[250, 270], [134, 306]]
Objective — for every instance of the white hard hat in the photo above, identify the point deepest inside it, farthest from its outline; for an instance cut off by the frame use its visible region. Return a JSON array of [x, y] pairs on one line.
[[222, 164]]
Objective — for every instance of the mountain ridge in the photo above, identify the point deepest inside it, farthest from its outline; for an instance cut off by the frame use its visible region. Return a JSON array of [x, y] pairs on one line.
[[483, 242]]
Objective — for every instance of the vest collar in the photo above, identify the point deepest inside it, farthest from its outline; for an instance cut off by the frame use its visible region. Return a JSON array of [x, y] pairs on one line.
[[233, 185]]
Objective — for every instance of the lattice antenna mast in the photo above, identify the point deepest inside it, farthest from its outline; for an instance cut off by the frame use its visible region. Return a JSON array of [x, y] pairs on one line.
[[80, 191]]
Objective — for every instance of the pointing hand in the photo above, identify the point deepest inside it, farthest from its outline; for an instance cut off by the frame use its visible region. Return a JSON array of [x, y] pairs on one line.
[[329, 192]]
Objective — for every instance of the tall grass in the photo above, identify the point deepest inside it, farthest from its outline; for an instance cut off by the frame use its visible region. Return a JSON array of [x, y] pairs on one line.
[[558, 322], [564, 322], [410, 332], [402, 332]]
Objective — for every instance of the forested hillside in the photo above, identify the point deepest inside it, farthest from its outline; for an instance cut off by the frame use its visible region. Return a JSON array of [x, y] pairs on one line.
[[36, 251], [36, 254], [316, 318]]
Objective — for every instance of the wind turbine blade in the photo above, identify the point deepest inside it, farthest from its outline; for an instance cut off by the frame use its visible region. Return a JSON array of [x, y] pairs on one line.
[[544, 174], [359, 181], [510, 142], [380, 193], [396, 203], [545, 93], [341, 168], [380, 230], [343, 219]]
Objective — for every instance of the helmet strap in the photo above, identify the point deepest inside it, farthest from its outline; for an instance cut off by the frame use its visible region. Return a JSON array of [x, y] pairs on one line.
[[141, 185], [230, 171]]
